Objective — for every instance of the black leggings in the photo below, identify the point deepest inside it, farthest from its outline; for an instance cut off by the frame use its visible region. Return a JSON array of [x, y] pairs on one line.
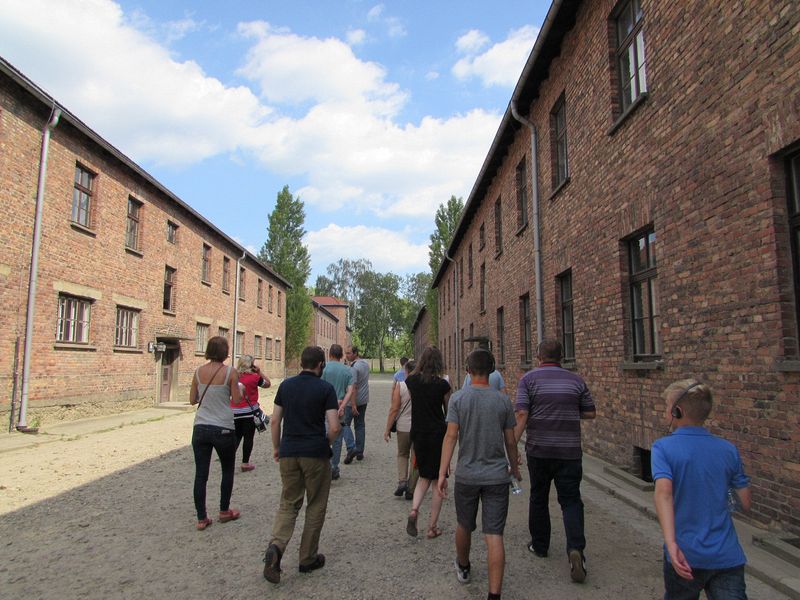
[[245, 428], [205, 439]]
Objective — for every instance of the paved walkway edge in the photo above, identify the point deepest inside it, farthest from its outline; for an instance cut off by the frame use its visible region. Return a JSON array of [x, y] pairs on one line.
[[776, 569]]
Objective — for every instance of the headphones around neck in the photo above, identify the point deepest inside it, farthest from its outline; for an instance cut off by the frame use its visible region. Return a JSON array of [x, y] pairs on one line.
[[677, 411]]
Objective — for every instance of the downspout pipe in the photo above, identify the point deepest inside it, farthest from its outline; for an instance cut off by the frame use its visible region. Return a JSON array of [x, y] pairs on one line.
[[458, 321], [22, 424], [537, 241], [236, 302]]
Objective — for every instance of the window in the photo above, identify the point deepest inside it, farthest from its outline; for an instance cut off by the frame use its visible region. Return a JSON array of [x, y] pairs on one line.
[[525, 329], [169, 289], [481, 237], [558, 144], [630, 53], [260, 294], [269, 299], [257, 352], [226, 275], [461, 276], [172, 233], [126, 333], [134, 231], [277, 349], [239, 344], [501, 337], [223, 332], [268, 349], [279, 302], [200, 337], [206, 274], [644, 296], [73, 319], [483, 287], [498, 226], [82, 196], [793, 195], [567, 325], [522, 194], [469, 267], [241, 282]]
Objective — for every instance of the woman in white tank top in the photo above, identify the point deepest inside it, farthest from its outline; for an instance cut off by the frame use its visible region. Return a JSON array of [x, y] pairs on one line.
[[213, 387]]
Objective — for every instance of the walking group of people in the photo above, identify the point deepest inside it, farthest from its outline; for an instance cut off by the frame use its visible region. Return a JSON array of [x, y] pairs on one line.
[[697, 475]]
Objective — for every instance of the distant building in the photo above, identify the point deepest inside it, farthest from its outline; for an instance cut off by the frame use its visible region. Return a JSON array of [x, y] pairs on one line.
[[332, 311], [421, 332], [131, 281], [643, 206]]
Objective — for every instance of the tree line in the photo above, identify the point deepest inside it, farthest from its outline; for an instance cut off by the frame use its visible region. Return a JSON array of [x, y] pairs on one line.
[[382, 306]]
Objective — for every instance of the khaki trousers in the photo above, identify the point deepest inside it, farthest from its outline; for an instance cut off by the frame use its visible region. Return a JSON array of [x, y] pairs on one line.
[[309, 477]]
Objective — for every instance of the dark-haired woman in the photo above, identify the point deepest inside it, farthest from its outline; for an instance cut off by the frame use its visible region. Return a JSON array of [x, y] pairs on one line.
[[214, 387], [429, 396]]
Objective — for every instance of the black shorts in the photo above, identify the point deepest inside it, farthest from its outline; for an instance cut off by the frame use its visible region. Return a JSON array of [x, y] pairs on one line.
[[494, 506]]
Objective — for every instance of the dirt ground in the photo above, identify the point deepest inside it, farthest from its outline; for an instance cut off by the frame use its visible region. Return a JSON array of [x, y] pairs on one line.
[[110, 515]]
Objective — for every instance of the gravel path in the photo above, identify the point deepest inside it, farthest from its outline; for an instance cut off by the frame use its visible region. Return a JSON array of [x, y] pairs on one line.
[[110, 515]]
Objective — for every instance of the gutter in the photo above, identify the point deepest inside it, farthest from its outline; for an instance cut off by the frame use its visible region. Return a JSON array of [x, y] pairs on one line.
[[236, 302], [458, 318], [537, 241], [22, 424]]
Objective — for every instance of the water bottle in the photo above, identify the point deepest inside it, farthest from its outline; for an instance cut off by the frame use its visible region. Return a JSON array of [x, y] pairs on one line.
[[516, 488], [734, 504]]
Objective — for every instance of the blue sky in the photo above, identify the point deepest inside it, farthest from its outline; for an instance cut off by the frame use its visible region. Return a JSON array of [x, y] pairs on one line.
[[373, 113]]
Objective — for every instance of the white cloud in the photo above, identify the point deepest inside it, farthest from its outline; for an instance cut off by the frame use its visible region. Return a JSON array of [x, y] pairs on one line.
[[387, 250], [472, 42], [501, 64], [356, 37], [375, 12], [394, 25], [431, 75]]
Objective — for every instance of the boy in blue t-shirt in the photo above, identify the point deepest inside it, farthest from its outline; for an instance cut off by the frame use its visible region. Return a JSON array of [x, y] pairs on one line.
[[694, 473]]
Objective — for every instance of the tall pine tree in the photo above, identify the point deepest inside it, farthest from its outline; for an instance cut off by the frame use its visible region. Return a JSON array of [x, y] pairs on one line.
[[284, 250]]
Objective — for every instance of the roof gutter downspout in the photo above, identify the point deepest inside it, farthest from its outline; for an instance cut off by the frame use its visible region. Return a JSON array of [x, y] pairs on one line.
[[22, 424], [458, 321], [236, 301], [537, 242]]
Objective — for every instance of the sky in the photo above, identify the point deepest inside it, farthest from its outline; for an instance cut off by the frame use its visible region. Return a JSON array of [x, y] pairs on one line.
[[373, 113]]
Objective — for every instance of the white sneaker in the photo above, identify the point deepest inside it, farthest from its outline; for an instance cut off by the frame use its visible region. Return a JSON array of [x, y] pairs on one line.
[[461, 574]]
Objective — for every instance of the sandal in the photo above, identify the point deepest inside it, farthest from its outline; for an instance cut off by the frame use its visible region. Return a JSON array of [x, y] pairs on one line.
[[229, 515], [203, 523], [433, 532], [411, 525]]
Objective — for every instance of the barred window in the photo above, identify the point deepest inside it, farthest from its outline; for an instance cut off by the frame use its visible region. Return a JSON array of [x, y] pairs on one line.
[[501, 336], [567, 325], [226, 275], [525, 329], [269, 299], [558, 142], [224, 332], [277, 349], [239, 344], [522, 194], [172, 232], [268, 349], [74, 315], [170, 279], [126, 333], [260, 294], [257, 347], [644, 311], [200, 337], [206, 270]]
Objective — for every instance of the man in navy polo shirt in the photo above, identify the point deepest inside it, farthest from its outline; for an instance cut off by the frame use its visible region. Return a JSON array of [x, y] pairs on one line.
[[303, 404], [550, 404]]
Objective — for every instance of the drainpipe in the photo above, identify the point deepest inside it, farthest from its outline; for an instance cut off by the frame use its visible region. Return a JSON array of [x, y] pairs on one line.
[[458, 321], [537, 242], [236, 302], [22, 424]]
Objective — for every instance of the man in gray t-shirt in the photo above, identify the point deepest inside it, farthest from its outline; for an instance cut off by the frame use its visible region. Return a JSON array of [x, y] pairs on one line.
[[356, 415], [481, 420]]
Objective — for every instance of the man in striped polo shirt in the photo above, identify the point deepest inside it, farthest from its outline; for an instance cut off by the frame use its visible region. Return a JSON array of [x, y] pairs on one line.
[[550, 403]]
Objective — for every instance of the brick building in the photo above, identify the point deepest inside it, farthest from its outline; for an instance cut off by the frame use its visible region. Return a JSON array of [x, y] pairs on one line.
[[640, 202], [330, 315], [131, 280], [421, 332]]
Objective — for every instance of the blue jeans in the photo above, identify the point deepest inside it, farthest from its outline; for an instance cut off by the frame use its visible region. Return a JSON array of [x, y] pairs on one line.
[[567, 475], [336, 447], [719, 584], [206, 439], [356, 444]]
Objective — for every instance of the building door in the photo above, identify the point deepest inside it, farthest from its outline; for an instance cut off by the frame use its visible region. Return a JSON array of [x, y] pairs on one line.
[[168, 363]]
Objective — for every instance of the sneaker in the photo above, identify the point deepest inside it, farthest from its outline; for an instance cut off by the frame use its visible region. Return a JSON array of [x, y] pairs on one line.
[[536, 552], [409, 495], [462, 573], [318, 563], [401, 489], [335, 475], [360, 456], [272, 564], [351, 454], [577, 566]]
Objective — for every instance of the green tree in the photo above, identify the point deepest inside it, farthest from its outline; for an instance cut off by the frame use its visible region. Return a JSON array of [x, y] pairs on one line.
[[284, 250], [447, 218], [343, 282], [380, 312]]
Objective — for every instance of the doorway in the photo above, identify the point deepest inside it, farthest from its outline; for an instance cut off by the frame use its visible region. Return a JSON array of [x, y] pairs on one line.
[[169, 362]]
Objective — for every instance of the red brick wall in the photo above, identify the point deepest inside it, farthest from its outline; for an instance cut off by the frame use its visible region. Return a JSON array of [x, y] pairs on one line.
[[697, 162], [99, 377]]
